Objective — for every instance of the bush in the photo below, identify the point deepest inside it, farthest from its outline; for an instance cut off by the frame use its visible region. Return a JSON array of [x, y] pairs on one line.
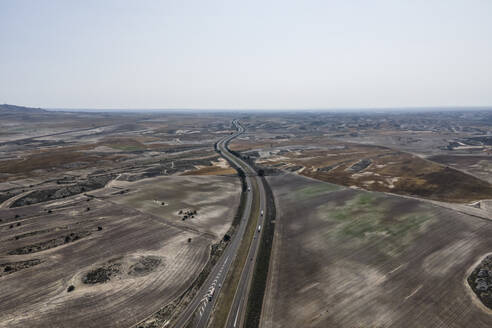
[[70, 288]]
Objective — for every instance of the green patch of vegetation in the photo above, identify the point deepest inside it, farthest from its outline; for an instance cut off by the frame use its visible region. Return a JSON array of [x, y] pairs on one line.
[[314, 190], [367, 221], [407, 224], [361, 203], [365, 199], [360, 227]]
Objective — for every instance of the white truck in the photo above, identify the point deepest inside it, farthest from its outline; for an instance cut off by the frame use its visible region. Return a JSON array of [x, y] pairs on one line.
[[261, 213], [211, 294], [259, 228]]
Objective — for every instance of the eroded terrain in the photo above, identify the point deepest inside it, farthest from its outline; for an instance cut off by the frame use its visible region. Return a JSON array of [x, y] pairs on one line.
[[93, 230], [109, 219], [109, 259]]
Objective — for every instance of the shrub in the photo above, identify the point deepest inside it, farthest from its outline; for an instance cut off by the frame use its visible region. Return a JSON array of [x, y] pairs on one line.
[[70, 288]]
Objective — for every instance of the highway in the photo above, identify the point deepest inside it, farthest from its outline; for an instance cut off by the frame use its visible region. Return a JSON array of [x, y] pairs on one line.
[[197, 313]]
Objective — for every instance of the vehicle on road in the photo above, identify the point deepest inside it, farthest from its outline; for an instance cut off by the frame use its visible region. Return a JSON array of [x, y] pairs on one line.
[[259, 228], [211, 294], [249, 189], [261, 213]]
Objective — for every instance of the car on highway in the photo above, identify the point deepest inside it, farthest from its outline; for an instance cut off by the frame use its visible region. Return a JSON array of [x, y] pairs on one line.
[[211, 294]]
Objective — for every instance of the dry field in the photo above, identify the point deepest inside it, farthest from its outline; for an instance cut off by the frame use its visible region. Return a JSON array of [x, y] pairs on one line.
[[366, 166], [350, 258], [210, 196], [125, 250], [480, 166]]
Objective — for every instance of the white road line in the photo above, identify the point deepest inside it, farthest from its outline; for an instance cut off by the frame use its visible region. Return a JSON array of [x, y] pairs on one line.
[[237, 313]]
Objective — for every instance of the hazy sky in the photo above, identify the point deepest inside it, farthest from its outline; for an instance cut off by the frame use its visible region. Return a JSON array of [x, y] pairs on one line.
[[245, 54]]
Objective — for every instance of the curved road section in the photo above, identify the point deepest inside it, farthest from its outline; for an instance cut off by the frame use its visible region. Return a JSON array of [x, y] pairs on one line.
[[198, 312]]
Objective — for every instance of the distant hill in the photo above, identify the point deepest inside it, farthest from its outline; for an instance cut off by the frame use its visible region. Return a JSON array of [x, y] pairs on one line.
[[6, 108]]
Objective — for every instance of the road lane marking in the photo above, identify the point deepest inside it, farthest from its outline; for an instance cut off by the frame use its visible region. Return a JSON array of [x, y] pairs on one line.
[[237, 313]]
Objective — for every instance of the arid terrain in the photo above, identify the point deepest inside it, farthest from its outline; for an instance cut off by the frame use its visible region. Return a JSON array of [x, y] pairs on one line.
[[115, 219], [402, 154], [348, 258], [104, 226], [125, 255]]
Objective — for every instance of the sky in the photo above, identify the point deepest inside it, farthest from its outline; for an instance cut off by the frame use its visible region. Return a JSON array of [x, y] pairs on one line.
[[251, 54]]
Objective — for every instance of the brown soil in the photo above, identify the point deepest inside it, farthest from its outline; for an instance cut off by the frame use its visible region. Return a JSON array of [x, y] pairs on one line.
[[356, 259]]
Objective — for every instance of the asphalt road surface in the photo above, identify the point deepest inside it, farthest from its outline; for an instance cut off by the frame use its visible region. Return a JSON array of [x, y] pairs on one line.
[[198, 312]]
